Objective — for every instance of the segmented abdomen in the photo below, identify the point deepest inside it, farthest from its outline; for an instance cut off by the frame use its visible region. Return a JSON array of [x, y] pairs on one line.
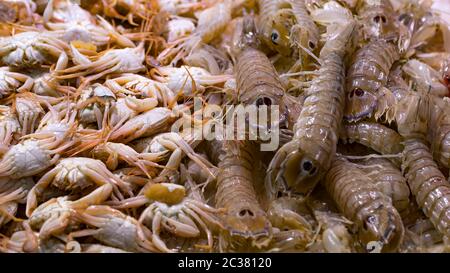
[[439, 136], [236, 193], [349, 188], [256, 77], [317, 127], [267, 9], [373, 135], [389, 179], [428, 184], [371, 65], [304, 19], [361, 201], [234, 181]]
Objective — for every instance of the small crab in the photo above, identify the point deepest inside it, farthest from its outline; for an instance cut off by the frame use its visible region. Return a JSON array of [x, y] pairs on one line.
[[9, 128], [75, 174], [11, 81], [142, 86], [115, 229], [187, 79], [126, 60], [30, 49], [145, 124], [176, 213], [57, 214], [29, 110], [94, 104]]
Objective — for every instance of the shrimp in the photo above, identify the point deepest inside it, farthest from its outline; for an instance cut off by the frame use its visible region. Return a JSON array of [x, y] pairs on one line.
[[389, 179], [375, 136], [364, 204], [274, 25], [299, 164], [413, 115], [256, 78], [427, 184], [376, 17], [95, 248], [211, 22], [287, 241], [286, 26], [305, 33], [367, 75], [393, 98], [244, 219], [438, 134]]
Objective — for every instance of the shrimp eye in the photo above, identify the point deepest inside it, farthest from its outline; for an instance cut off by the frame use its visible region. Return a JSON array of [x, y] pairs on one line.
[[274, 37], [308, 166], [359, 92], [311, 45]]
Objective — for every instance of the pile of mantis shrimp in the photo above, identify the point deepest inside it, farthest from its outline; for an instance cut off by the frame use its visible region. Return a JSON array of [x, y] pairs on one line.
[[90, 92]]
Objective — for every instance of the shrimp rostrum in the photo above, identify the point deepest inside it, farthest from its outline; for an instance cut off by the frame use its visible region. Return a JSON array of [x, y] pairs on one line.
[[299, 164]]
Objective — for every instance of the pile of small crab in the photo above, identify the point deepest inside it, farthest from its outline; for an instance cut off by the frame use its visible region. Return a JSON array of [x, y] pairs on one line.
[[91, 91]]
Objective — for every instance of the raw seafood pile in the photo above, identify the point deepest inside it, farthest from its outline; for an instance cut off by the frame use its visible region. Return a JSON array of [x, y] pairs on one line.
[[224, 126]]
